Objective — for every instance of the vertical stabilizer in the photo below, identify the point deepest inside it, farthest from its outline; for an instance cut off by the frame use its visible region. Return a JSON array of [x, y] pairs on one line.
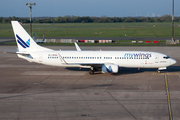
[[23, 39]]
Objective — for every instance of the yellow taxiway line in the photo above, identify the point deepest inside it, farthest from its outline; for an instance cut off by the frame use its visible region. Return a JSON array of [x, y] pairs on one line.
[[165, 73], [168, 97]]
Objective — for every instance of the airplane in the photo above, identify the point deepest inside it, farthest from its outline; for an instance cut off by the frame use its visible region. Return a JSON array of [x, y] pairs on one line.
[[104, 61]]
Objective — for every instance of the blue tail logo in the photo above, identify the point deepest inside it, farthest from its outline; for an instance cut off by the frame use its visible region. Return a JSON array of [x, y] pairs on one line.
[[22, 43]]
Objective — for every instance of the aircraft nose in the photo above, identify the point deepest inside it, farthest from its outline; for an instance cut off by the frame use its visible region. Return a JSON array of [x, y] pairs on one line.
[[173, 61]]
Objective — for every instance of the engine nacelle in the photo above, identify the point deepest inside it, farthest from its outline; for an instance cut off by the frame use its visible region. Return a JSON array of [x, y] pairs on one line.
[[110, 68]]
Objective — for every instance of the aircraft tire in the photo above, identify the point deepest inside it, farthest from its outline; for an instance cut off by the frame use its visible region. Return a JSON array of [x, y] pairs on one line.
[[91, 72]]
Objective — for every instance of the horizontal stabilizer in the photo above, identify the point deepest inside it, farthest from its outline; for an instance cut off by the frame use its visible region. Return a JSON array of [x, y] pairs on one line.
[[10, 51]]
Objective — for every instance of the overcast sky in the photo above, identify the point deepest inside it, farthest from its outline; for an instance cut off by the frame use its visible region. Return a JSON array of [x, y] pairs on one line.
[[109, 8]]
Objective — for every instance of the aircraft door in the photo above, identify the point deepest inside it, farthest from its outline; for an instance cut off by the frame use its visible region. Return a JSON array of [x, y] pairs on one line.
[[156, 58], [40, 57]]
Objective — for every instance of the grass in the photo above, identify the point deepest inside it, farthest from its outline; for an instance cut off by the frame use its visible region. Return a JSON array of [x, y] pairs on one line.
[[162, 29]]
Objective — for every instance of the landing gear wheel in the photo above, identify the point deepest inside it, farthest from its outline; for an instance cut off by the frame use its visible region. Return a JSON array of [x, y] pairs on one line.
[[91, 72], [158, 71]]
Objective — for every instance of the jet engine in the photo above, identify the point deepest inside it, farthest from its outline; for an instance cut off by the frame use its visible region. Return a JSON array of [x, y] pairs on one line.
[[110, 68]]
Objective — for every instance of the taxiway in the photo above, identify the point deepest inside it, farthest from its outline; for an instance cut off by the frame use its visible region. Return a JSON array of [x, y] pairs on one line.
[[34, 91]]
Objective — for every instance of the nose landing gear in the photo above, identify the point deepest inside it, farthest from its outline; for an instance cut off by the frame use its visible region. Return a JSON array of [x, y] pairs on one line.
[[162, 68]]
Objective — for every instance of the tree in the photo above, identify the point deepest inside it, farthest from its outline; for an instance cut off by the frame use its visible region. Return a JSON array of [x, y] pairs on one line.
[[166, 18], [3, 20], [36, 21]]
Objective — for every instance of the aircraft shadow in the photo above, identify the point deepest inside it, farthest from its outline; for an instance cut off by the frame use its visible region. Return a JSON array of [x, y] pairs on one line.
[[131, 70], [77, 69]]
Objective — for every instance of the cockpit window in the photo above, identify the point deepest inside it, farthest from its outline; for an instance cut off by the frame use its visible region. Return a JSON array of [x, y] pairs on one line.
[[166, 57]]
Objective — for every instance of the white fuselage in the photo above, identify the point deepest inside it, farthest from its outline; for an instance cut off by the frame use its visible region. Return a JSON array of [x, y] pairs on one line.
[[130, 59]]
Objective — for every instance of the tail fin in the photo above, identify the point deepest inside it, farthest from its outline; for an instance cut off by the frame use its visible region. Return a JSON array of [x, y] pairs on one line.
[[23, 39]]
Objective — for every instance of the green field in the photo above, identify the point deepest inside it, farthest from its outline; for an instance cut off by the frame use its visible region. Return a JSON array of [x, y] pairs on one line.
[[143, 29]]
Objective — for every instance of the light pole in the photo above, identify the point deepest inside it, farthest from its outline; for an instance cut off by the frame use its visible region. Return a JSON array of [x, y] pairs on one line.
[[30, 7], [173, 21]]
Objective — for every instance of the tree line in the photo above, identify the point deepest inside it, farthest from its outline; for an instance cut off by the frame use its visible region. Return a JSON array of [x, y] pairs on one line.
[[88, 19]]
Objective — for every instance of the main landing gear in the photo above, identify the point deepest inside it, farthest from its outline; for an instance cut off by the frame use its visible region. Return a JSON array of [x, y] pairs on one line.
[[91, 72]]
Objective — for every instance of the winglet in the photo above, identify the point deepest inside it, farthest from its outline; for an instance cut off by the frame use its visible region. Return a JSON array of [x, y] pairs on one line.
[[77, 47]]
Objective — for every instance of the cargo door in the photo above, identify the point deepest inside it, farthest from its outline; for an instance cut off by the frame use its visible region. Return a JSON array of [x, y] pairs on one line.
[[40, 57]]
